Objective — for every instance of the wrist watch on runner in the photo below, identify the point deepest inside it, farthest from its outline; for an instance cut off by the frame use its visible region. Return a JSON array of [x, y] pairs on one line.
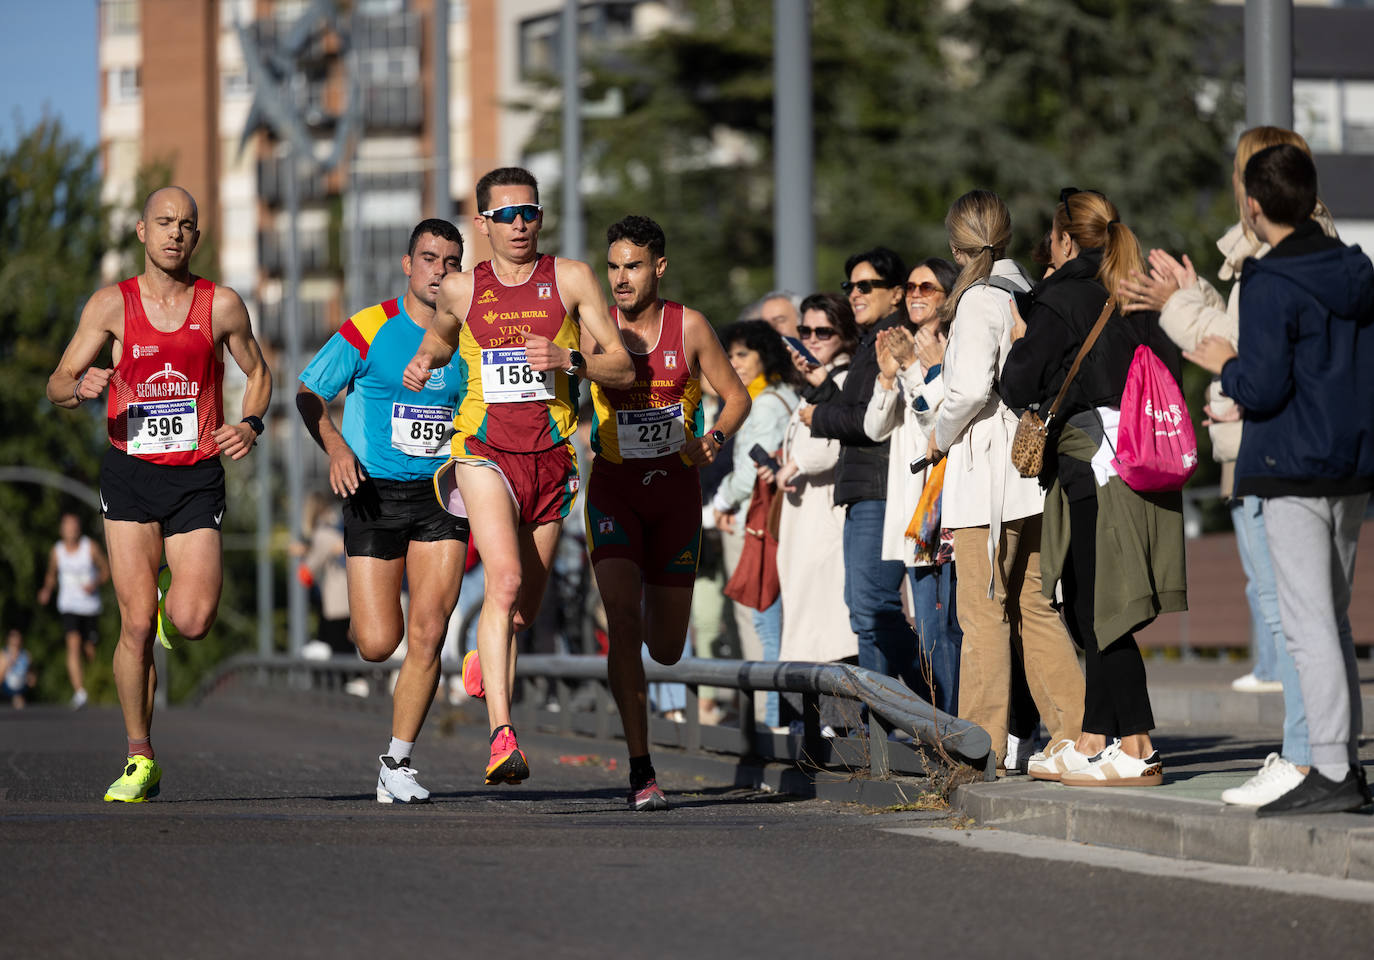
[[575, 363], [718, 437], [254, 422]]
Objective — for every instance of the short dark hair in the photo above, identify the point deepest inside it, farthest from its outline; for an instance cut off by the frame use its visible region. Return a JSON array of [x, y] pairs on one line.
[[946, 271], [504, 177], [759, 336], [887, 263], [1283, 181], [439, 228], [840, 314], [641, 231]]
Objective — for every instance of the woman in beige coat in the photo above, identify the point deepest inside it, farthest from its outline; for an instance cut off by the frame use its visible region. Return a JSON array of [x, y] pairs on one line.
[[994, 512]]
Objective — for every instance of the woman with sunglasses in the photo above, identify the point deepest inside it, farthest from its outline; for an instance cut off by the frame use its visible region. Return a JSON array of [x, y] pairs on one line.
[[876, 288], [995, 513], [1120, 561], [816, 622], [902, 410]]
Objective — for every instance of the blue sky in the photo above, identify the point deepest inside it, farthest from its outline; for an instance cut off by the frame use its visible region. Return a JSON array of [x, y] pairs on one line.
[[48, 56]]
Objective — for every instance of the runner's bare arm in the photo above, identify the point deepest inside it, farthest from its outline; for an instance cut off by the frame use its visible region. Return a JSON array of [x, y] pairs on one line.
[[707, 357], [609, 366], [441, 340], [344, 475], [49, 579], [75, 380], [235, 329]]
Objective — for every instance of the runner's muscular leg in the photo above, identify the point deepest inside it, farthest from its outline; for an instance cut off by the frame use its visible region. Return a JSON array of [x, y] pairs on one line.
[[538, 544], [374, 605], [74, 668], [669, 614], [493, 520], [622, 587], [436, 574], [135, 551], [196, 562]]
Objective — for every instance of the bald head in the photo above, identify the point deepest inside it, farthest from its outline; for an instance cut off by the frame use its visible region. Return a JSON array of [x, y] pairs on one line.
[[179, 195]]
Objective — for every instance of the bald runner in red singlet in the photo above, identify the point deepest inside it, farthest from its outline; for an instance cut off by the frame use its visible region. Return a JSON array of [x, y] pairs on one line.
[[514, 326], [161, 483], [644, 495]]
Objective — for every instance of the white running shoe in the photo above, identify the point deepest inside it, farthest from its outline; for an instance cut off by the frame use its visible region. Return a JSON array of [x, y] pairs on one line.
[[78, 700], [1056, 760], [396, 782], [1253, 684], [1274, 779]]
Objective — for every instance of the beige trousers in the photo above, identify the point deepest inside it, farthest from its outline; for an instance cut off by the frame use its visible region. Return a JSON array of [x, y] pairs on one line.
[[1016, 621]]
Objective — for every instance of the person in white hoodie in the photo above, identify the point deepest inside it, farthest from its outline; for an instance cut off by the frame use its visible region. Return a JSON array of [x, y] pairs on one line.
[[907, 394], [995, 513]]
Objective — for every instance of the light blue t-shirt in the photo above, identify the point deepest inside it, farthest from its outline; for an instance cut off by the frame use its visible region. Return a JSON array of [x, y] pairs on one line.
[[395, 433]]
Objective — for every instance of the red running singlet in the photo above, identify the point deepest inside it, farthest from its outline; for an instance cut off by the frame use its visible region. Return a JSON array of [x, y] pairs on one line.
[[165, 400]]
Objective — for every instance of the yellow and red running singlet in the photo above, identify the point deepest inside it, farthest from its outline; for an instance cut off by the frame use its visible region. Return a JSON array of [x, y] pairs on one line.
[[507, 405], [660, 411], [164, 400]]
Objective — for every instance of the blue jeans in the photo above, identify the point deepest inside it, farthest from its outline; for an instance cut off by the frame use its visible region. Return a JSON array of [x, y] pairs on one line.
[[872, 591], [768, 625], [937, 623], [1272, 658]]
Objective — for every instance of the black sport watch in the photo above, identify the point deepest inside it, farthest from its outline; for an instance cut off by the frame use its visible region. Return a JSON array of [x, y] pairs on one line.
[[575, 363], [718, 437], [255, 423]]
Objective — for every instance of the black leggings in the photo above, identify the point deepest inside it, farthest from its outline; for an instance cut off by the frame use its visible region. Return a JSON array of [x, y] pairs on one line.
[[1117, 702]]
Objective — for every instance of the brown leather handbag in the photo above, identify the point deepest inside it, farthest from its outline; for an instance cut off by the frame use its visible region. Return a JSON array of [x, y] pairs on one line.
[[1028, 444]]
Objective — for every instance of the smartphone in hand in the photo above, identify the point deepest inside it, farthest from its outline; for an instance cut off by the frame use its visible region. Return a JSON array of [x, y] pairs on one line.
[[762, 458], [800, 347]]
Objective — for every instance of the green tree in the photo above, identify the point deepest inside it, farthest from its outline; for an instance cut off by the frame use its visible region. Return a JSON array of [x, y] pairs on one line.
[[53, 229]]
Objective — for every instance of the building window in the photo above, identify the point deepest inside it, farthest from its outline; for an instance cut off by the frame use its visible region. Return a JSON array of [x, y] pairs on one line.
[[601, 25], [122, 84], [391, 67], [118, 17]]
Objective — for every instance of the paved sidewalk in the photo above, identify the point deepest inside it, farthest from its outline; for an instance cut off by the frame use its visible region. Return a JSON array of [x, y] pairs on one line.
[[1211, 738]]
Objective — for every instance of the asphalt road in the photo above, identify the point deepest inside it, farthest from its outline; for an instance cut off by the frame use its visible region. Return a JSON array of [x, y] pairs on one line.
[[267, 842]]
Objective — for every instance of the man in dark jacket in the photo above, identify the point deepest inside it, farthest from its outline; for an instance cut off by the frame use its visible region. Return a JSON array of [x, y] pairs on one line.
[[1302, 376], [872, 585]]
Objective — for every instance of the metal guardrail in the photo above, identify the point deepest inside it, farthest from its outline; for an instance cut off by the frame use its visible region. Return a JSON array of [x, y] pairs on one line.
[[553, 687]]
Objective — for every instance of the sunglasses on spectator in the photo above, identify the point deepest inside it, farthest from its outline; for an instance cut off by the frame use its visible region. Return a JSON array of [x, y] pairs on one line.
[[1070, 191], [925, 288], [820, 333], [507, 214], [865, 286]]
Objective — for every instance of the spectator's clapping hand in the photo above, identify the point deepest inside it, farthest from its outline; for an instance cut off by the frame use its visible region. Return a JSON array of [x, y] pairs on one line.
[[902, 345], [1140, 291], [930, 347], [887, 363], [1211, 353], [1228, 414], [1183, 273]]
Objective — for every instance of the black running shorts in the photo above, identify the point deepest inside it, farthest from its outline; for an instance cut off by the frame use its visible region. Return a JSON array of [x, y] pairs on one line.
[[87, 626], [180, 498], [385, 516]]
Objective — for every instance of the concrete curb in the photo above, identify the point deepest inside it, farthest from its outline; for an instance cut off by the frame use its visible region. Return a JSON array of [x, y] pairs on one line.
[[1332, 845]]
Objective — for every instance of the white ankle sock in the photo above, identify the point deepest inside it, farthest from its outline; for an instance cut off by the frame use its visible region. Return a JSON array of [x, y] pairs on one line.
[[400, 749]]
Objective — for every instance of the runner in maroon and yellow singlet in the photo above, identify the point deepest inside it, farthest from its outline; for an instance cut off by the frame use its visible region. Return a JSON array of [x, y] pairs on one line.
[[513, 326], [161, 483], [644, 496]]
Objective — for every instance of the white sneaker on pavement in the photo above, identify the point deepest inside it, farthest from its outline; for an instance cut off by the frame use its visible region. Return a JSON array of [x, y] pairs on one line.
[[1253, 684], [396, 782], [1274, 779], [1114, 767], [1018, 753], [78, 700], [1056, 760]]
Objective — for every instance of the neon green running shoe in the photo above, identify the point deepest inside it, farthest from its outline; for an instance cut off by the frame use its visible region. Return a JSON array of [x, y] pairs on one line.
[[138, 783], [167, 633]]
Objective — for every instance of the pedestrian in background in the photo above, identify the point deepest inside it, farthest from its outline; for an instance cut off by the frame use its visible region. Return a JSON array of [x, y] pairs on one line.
[[77, 568]]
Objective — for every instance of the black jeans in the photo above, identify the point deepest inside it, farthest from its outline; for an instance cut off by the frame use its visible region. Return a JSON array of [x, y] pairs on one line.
[[1117, 701]]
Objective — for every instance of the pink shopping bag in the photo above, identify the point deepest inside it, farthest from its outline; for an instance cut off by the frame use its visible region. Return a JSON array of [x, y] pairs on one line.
[[1156, 448]]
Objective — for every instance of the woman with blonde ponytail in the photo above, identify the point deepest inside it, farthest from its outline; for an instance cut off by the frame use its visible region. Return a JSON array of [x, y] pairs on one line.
[[1117, 554], [1191, 309], [993, 511]]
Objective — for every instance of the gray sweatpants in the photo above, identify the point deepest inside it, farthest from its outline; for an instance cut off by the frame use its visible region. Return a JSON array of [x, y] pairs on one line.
[[1312, 542]]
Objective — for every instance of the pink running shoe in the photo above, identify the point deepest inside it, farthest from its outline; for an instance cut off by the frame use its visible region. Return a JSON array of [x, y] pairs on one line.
[[507, 763], [648, 797], [472, 676]]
